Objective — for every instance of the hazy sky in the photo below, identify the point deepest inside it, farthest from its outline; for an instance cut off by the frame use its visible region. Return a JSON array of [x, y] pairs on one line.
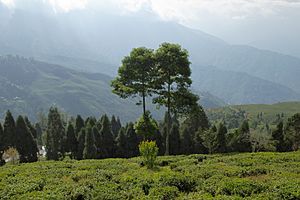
[[268, 24]]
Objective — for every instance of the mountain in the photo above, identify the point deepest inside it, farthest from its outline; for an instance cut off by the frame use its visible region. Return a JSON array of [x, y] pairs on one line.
[[96, 42], [28, 86], [240, 87]]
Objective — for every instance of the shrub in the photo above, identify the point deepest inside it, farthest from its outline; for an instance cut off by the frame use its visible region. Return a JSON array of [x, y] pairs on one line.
[[164, 193], [149, 151]]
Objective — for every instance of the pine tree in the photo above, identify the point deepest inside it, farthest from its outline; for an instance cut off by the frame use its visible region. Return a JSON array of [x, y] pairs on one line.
[[54, 135], [174, 140], [278, 137], [209, 139], [30, 127], [9, 131], [71, 141], [79, 124], [98, 140], [115, 126], [80, 147], [121, 142], [90, 149], [132, 141], [221, 138], [199, 148], [39, 133], [107, 140], [26, 145], [292, 131], [186, 142], [2, 162], [244, 142]]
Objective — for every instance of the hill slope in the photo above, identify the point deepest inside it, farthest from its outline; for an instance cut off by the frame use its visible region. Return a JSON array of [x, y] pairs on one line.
[[27, 86]]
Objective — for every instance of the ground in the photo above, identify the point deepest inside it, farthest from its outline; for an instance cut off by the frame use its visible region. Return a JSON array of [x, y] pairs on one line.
[[227, 176]]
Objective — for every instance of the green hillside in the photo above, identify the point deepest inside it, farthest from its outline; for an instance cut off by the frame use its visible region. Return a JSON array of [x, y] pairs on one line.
[[28, 86], [268, 111], [235, 176]]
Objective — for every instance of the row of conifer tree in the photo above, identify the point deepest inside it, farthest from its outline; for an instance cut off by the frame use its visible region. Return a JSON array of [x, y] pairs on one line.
[[106, 138]]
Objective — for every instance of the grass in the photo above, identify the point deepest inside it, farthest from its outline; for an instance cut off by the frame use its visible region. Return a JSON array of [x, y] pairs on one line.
[[228, 176]]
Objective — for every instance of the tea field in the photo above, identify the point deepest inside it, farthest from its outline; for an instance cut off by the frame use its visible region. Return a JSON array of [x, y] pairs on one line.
[[228, 176]]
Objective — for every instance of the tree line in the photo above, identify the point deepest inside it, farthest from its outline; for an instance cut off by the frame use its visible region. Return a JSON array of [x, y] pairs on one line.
[[90, 138]]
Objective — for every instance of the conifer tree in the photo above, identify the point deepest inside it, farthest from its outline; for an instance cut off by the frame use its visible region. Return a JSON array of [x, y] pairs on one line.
[[199, 148], [107, 140], [221, 138], [278, 137], [244, 142], [115, 126], [26, 144], [174, 139], [9, 131], [2, 162], [121, 142], [81, 141], [186, 141], [71, 141], [132, 141], [54, 135], [292, 131], [30, 127], [39, 133], [209, 139], [90, 149], [79, 124], [98, 140]]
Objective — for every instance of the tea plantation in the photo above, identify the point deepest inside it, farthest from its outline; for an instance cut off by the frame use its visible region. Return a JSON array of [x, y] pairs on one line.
[[229, 176]]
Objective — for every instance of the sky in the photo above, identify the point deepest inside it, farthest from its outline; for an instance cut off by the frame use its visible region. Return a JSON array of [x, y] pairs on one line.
[[266, 24]]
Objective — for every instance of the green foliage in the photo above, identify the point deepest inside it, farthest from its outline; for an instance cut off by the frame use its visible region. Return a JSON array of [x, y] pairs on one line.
[[9, 131], [71, 144], [135, 76], [54, 135], [90, 149], [25, 144], [228, 176], [107, 141], [293, 131], [148, 151], [146, 126]]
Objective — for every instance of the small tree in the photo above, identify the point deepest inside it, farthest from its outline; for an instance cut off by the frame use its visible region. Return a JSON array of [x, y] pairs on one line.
[[148, 151], [146, 126], [71, 141]]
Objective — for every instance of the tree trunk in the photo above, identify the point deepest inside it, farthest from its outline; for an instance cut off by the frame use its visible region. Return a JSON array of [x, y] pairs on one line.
[[167, 152]]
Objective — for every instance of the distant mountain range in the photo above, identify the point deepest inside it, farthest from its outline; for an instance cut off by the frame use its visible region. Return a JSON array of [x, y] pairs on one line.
[[96, 42], [28, 86]]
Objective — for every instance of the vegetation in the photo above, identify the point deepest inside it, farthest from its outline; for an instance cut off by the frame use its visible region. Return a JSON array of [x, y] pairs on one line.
[[148, 151], [227, 176]]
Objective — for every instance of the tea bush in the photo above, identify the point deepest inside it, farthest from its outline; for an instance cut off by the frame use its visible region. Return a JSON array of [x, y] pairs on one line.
[[221, 176]]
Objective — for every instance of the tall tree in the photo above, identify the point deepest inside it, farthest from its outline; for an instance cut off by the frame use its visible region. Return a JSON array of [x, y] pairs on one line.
[[209, 139], [221, 138], [107, 140], [71, 144], [121, 142], [135, 76], [26, 144], [2, 162], [79, 124], [81, 141], [278, 137], [54, 135], [175, 139], [90, 149], [243, 140], [115, 126], [293, 131], [9, 131], [132, 141], [31, 127], [172, 82]]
